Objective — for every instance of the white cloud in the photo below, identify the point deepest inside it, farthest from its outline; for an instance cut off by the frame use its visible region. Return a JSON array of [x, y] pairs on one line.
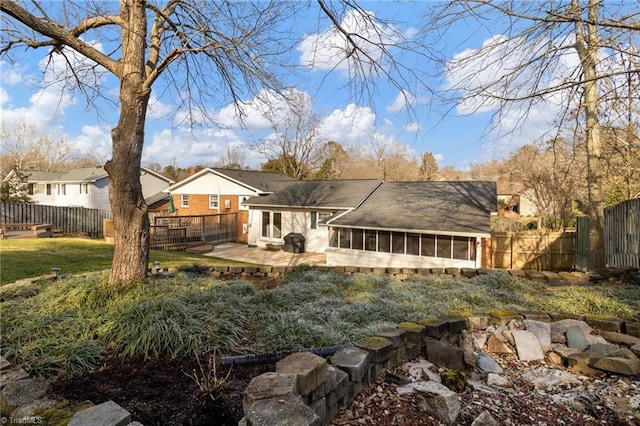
[[188, 148], [10, 74], [354, 125], [439, 158], [47, 106], [330, 49], [412, 127], [403, 100], [157, 109], [263, 110], [93, 140]]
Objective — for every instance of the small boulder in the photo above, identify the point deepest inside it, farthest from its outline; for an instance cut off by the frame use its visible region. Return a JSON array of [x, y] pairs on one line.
[[527, 346], [576, 338], [484, 419], [438, 400]]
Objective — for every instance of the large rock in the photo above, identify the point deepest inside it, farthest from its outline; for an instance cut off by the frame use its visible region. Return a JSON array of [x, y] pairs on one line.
[[21, 392], [488, 364], [438, 400], [559, 329], [527, 346], [542, 330], [576, 338], [106, 414], [627, 367]]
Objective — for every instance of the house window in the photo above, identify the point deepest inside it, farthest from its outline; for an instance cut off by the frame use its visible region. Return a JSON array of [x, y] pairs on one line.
[[213, 201], [184, 201], [48, 189], [464, 248], [413, 244], [333, 237], [314, 220], [62, 189], [357, 239], [443, 244], [84, 188], [345, 238], [397, 242], [30, 188], [428, 245], [384, 241], [370, 240], [271, 225]]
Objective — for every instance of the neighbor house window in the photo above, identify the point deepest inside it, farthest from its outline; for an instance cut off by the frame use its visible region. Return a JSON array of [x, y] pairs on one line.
[[62, 189], [30, 188], [48, 189], [271, 225], [84, 188], [213, 201], [184, 201]]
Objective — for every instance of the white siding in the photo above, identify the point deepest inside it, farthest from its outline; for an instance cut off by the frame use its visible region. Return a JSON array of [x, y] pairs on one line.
[[292, 221], [99, 194], [213, 184], [151, 184]]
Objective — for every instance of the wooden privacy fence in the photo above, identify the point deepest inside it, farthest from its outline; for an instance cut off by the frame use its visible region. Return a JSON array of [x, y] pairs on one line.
[[551, 251], [63, 219], [622, 234]]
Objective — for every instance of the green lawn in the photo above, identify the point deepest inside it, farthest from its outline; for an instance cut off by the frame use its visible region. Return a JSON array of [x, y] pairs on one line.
[[32, 257]]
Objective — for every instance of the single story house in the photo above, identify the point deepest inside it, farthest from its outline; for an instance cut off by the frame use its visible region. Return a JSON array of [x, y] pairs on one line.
[[379, 224], [85, 187], [217, 190]]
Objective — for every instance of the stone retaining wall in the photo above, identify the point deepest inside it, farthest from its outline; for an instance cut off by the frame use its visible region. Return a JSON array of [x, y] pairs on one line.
[[307, 389]]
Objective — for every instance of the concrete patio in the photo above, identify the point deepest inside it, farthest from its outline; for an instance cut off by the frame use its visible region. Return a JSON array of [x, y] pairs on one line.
[[262, 256]]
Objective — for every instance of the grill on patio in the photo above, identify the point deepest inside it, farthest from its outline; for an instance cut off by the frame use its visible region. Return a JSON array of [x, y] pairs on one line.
[[294, 243]]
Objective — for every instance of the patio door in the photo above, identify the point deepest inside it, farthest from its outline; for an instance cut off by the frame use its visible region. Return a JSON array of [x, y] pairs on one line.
[[271, 225]]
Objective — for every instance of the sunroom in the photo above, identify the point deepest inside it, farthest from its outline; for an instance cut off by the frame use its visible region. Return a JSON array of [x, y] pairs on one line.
[[414, 225]]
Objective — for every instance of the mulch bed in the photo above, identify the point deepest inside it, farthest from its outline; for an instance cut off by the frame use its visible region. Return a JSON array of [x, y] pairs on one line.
[[159, 392]]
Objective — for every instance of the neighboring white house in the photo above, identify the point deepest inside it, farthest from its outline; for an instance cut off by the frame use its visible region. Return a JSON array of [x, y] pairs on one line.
[[377, 224], [86, 187]]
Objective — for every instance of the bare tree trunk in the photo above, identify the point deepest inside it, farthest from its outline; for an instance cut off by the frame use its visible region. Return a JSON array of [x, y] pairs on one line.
[[587, 52], [130, 212]]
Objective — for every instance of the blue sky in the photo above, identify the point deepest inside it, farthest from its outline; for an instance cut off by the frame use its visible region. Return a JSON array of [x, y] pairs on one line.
[[454, 138]]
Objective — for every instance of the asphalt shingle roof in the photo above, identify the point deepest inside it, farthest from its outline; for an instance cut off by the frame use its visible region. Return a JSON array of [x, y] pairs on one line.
[[262, 181], [460, 206], [329, 194]]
